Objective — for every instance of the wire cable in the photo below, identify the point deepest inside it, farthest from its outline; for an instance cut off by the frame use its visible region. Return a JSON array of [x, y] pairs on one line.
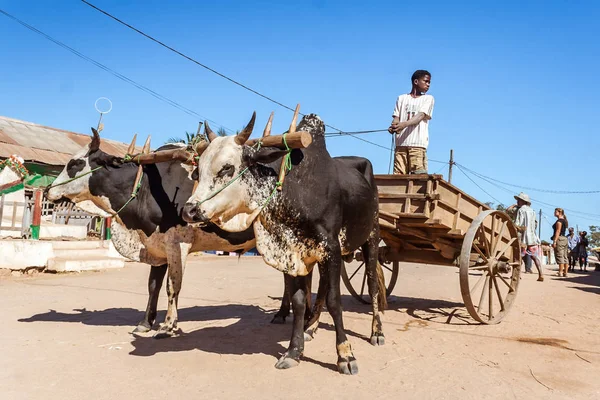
[[236, 82], [476, 184], [535, 189], [577, 213], [113, 72]]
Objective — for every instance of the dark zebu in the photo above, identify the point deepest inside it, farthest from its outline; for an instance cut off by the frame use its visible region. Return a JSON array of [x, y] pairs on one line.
[[150, 228], [327, 208]]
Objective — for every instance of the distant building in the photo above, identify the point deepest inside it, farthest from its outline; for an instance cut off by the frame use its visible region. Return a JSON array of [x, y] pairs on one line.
[[46, 150]]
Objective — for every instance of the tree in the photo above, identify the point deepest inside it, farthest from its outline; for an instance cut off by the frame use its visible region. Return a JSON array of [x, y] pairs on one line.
[[594, 236], [192, 139]]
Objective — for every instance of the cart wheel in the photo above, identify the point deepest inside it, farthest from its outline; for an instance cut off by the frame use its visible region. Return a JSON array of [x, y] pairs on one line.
[[354, 274], [490, 255]]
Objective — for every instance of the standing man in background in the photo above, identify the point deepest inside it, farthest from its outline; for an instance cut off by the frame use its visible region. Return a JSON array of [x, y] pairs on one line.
[[573, 248], [411, 125]]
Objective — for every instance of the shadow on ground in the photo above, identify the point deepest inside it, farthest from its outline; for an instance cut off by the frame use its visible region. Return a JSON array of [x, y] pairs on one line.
[[587, 281]]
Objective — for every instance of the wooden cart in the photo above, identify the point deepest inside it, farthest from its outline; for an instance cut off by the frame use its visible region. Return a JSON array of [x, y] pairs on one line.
[[424, 219]]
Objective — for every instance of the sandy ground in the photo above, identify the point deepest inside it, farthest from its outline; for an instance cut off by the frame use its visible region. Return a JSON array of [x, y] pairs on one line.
[[67, 337]]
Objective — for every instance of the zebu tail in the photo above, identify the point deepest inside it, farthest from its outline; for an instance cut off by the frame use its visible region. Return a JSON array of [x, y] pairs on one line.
[[382, 298]]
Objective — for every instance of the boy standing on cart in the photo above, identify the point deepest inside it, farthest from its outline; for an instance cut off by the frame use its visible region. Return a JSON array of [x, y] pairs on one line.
[[411, 125]]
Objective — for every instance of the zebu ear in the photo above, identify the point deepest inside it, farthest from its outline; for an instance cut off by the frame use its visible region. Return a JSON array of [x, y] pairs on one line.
[[266, 155], [95, 144]]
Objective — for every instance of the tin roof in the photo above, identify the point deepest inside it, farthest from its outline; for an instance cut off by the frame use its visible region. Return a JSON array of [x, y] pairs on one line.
[[48, 145]]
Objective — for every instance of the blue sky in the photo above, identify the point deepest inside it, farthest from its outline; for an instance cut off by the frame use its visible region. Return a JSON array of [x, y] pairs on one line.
[[514, 81]]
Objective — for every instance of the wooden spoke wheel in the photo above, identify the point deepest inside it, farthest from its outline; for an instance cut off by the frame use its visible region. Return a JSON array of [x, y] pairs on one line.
[[355, 279], [490, 266]]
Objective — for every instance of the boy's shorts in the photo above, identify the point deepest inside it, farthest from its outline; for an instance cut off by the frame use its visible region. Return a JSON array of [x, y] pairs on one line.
[[410, 160]]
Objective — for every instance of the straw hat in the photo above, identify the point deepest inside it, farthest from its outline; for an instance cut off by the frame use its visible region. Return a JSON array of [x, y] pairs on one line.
[[523, 196]]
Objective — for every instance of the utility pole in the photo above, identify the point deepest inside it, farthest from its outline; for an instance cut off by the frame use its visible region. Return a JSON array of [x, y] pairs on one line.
[[450, 164]]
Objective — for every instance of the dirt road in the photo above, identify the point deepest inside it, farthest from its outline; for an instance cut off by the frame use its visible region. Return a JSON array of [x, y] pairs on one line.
[[67, 337]]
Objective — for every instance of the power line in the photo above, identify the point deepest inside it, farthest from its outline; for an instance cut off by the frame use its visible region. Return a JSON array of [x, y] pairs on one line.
[[238, 83], [112, 72], [577, 213], [536, 189], [476, 184]]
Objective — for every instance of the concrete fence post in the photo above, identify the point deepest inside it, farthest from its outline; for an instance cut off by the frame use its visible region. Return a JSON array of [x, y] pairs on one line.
[[37, 215]]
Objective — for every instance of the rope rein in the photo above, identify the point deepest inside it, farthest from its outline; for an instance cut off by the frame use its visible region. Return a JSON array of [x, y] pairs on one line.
[[133, 195]]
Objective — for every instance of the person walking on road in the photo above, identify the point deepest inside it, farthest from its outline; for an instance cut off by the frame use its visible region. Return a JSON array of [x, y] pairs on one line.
[[560, 243], [526, 225], [573, 244], [410, 124], [582, 254]]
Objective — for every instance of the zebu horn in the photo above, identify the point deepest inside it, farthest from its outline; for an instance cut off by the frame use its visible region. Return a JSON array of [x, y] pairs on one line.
[[146, 148], [209, 133], [131, 148], [200, 147], [243, 136], [267, 131], [294, 119]]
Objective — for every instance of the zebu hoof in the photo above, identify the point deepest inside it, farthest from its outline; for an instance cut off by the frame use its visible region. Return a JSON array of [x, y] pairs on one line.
[[540, 279], [309, 334], [142, 327], [165, 331], [286, 362], [278, 319], [378, 339], [348, 367]]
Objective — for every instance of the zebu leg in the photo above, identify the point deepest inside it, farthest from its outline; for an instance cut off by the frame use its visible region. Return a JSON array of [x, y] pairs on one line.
[[284, 310], [155, 281], [376, 284], [312, 323], [177, 253], [291, 358], [332, 265]]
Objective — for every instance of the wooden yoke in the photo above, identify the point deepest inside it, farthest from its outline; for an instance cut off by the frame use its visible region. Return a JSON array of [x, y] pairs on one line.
[[291, 131], [138, 177]]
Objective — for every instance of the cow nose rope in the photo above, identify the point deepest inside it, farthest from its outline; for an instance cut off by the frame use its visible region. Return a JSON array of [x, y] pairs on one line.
[[72, 179], [133, 195]]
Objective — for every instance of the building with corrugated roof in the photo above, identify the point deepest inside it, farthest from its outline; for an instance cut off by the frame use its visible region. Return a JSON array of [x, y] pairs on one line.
[[46, 150]]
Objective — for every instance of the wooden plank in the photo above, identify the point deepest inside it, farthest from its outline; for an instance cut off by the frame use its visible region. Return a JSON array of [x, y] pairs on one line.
[[457, 207], [408, 196], [418, 256], [409, 190]]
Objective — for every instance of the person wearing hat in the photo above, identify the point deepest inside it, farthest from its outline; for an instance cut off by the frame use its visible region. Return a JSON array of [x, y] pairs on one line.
[[526, 225], [573, 244]]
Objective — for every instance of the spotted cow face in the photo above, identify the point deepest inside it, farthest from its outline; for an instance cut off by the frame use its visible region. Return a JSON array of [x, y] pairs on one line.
[[228, 192], [73, 182]]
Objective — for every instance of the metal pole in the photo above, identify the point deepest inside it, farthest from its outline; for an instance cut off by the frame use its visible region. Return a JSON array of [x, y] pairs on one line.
[[99, 127], [450, 164]]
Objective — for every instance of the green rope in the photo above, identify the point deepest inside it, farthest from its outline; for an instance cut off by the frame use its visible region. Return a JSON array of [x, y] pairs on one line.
[[224, 187], [133, 196], [288, 166], [127, 158], [74, 178], [287, 159]]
